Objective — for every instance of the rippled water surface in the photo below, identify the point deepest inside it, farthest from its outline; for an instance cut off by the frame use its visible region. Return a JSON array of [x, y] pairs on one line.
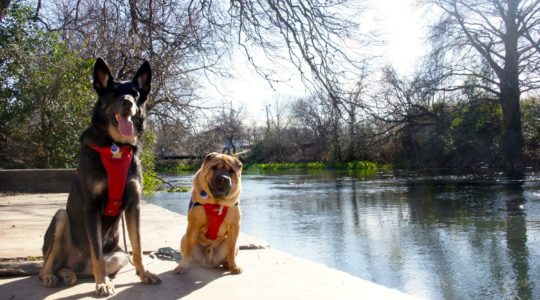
[[437, 237]]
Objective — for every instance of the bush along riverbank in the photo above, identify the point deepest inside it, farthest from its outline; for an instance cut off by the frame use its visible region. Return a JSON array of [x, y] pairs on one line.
[[179, 169], [175, 169], [363, 167], [353, 166], [159, 184]]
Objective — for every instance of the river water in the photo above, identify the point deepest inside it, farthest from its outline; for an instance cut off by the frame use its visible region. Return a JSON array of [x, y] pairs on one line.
[[436, 237]]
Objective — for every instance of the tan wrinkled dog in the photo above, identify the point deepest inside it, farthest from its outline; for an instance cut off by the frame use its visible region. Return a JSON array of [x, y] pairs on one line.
[[214, 215]]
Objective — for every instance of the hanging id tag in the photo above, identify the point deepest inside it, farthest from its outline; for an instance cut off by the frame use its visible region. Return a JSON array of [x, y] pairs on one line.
[[115, 150], [204, 195]]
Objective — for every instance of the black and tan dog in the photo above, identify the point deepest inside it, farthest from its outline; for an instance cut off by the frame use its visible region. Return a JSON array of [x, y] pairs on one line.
[[214, 215], [83, 238]]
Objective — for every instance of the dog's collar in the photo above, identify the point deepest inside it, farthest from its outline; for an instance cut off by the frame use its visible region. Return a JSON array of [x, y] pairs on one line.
[[114, 151], [192, 204], [116, 161], [206, 198]]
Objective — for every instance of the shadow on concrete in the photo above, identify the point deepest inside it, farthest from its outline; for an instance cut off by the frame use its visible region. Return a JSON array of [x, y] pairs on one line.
[[30, 288], [173, 286]]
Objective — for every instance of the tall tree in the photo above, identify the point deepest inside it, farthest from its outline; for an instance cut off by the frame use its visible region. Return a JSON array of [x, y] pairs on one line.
[[312, 121], [409, 111], [187, 40], [45, 98], [279, 121], [352, 105], [502, 35], [228, 124], [177, 44]]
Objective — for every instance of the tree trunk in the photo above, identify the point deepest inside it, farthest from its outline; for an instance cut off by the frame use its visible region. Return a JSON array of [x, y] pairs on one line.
[[512, 137], [352, 120], [335, 130], [335, 141]]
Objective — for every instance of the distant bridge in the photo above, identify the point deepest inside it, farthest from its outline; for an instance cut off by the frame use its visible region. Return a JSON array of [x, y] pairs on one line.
[[175, 157]]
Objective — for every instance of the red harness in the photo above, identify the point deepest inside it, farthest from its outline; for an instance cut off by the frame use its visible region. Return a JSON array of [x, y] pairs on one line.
[[116, 161], [215, 214]]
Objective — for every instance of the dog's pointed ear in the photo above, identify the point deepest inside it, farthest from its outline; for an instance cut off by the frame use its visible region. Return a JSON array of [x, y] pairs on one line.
[[103, 78], [142, 81]]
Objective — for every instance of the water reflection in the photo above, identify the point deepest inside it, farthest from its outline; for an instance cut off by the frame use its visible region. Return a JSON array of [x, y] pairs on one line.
[[516, 239], [438, 237]]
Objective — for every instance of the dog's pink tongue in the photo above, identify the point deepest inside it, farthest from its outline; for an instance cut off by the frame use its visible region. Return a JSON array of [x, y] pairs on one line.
[[125, 125]]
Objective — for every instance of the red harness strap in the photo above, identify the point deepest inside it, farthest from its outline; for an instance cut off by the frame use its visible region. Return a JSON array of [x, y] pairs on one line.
[[116, 161], [215, 214]]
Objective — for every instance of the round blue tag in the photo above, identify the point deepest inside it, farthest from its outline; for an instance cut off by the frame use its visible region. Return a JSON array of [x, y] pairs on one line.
[[204, 195], [115, 148]]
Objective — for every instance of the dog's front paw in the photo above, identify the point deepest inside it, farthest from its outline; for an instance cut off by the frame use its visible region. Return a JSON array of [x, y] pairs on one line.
[[148, 277], [49, 280], [68, 277], [182, 266], [105, 288], [235, 269], [179, 269]]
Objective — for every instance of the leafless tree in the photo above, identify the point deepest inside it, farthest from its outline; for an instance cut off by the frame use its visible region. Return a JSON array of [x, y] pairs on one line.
[[279, 121], [353, 106], [503, 35], [314, 33], [171, 141], [125, 32], [188, 39], [311, 126], [228, 125], [407, 102], [254, 132], [409, 107]]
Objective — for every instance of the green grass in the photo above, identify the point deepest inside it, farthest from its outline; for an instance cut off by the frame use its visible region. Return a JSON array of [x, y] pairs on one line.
[[175, 169], [178, 189], [354, 165], [366, 168]]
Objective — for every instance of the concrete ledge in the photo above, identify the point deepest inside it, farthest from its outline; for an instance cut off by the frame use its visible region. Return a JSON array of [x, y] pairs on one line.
[[267, 273], [36, 180]]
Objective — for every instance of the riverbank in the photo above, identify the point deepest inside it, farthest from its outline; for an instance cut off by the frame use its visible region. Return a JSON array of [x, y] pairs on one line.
[[366, 166], [268, 273]]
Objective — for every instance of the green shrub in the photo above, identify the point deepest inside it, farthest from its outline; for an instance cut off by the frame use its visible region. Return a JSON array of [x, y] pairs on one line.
[[147, 157], [355, 165], [175, 169]]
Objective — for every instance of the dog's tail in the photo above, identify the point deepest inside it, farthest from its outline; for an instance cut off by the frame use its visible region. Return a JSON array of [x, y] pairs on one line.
[[12, 268]]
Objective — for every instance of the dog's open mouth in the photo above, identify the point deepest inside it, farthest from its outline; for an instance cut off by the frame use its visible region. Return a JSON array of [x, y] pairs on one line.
[[125, 125]]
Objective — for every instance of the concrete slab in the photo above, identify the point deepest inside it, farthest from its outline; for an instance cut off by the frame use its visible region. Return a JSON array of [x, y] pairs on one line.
[[268, 273], [25, 217]]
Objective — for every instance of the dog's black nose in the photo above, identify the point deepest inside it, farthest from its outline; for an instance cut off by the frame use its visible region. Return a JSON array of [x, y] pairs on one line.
[[223, 179], [127, 103], [221, 185]]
